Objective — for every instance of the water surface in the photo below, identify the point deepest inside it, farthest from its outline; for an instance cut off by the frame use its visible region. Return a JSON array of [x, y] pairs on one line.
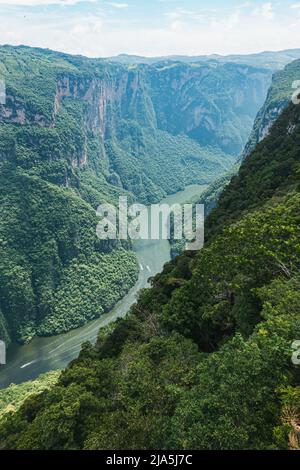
[[44, 354]]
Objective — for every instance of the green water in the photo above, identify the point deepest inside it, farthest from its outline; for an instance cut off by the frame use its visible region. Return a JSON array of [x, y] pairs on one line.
[[45, 354]]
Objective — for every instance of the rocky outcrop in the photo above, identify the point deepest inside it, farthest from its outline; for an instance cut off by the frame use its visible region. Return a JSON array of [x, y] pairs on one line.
[[131, 121], [279, 96], [213, 104], [12, 111], [263, 124], [107, 100]]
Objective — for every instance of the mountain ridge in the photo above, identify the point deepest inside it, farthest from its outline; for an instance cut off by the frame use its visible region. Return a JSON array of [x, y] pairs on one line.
[[77, 132], [271, 59], [173, 373]]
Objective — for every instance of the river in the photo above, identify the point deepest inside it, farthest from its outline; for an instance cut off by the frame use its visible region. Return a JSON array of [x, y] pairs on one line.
[[51, 353]]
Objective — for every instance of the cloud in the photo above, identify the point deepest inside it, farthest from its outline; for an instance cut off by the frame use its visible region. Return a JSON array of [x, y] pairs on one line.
[[265, 11], [118, 5], [32, 3], [97, 32], [179, 13]]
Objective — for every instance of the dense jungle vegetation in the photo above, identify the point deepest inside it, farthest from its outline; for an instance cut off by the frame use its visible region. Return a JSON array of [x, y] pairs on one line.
[[204, 358], [12, 398], [77, 132]]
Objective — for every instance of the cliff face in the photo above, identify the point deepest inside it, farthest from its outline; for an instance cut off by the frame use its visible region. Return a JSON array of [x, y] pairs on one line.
[[115, 96], [77, 132], [53, 173], [216, 323], [279, 96], [212, 105]]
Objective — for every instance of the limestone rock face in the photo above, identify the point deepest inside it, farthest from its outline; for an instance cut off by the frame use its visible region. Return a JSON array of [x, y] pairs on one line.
[[279, 96]]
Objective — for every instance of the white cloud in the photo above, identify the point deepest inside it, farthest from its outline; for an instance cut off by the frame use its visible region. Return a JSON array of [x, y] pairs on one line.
[[183, 32], [42, 2], [264, 11], [118, 5], [179, 13]]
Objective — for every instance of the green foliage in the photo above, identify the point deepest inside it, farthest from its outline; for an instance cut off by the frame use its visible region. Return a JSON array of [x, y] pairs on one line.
[[214, 104], [272, 169], [203, 360], [63, 151], [144, 162], [287, 434], [89, 287], [14, 396], [211, 195], [279, 96], [209, 198], [48, 240]]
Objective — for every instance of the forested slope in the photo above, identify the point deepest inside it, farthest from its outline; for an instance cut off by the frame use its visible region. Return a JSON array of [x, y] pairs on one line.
[[272, 170], [203, 361], [14, 396], [77, 132], [279, 96]]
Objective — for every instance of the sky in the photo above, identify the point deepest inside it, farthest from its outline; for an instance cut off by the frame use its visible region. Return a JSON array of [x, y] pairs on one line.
[[100, 28]]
